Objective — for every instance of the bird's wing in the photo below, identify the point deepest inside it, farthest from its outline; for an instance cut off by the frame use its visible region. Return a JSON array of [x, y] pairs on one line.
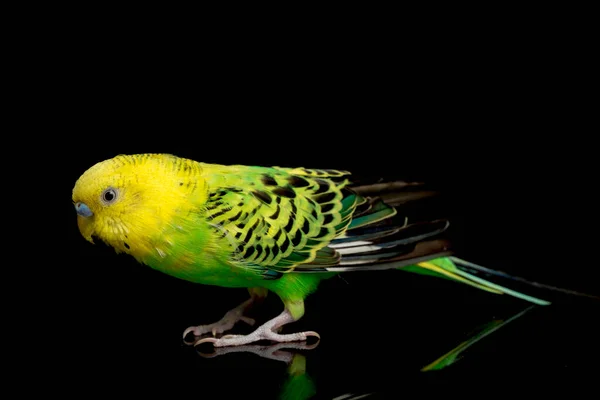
[[278, 220]]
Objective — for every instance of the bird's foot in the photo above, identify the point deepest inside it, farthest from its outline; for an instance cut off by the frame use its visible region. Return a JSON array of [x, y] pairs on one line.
[[267, 331], [257, 335], [225, 324]]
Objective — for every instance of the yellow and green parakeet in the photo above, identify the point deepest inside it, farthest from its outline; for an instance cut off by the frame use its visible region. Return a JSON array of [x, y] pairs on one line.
[[267, 229]]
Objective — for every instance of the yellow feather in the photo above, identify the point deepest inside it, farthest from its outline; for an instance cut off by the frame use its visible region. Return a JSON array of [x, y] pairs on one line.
[[459, 278], [154, 188]]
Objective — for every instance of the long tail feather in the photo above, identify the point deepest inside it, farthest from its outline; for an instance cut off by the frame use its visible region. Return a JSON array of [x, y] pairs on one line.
[[471, 269], [450, 267]]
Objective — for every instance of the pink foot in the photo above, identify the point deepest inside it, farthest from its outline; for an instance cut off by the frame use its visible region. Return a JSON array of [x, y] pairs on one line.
[[267, 331], [225, 324]]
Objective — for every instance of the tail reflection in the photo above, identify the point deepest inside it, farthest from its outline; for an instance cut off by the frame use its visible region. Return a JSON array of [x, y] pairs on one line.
[[454, 355]]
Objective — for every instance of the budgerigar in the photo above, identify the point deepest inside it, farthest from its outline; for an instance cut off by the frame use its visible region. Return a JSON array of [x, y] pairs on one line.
[[268, 229]]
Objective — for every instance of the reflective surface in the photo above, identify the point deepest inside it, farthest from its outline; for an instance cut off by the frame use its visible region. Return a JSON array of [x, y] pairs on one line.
[[382, 333]]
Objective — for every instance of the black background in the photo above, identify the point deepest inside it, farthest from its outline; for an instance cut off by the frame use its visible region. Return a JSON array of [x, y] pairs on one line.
[[123, 320], [102, 322]]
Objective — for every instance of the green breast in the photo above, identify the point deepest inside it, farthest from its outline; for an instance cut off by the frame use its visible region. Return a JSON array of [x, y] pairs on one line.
[[192, 251]]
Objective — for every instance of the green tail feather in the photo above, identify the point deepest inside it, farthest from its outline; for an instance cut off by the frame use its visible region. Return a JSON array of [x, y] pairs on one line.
[[378, 212], [445, 267]]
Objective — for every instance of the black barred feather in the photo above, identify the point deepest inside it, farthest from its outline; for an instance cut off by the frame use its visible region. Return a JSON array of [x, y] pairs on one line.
[[311, 220]]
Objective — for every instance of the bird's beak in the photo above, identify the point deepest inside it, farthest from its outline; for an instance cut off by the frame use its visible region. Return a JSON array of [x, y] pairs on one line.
[[83, 209], [86, 227], [84, 220]]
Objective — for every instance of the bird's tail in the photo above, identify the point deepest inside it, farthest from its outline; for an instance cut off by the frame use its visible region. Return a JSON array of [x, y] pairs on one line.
[[465, 272], [393, 227]]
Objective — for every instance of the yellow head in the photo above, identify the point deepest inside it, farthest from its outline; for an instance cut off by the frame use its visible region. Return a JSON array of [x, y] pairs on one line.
[[127, 201]]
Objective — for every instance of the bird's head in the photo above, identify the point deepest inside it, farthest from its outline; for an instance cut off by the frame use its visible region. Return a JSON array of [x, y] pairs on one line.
[[126, 200]]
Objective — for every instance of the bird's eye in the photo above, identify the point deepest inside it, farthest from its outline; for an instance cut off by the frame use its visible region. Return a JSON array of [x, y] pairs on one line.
[[109, 196]]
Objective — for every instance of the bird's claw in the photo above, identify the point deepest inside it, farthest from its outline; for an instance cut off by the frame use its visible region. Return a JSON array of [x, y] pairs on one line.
[[206, 340], [189, 330], [217, 328]]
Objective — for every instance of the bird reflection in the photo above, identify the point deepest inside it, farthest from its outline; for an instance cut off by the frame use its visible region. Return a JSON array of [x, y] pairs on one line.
[[299, 384], [456, 353], [270, 351]]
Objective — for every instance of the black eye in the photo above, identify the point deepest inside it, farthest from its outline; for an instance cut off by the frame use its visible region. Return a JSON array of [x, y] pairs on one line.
[[109, 195]]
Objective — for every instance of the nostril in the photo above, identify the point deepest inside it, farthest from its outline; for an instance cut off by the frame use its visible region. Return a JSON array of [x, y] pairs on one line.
[[83, 210]]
